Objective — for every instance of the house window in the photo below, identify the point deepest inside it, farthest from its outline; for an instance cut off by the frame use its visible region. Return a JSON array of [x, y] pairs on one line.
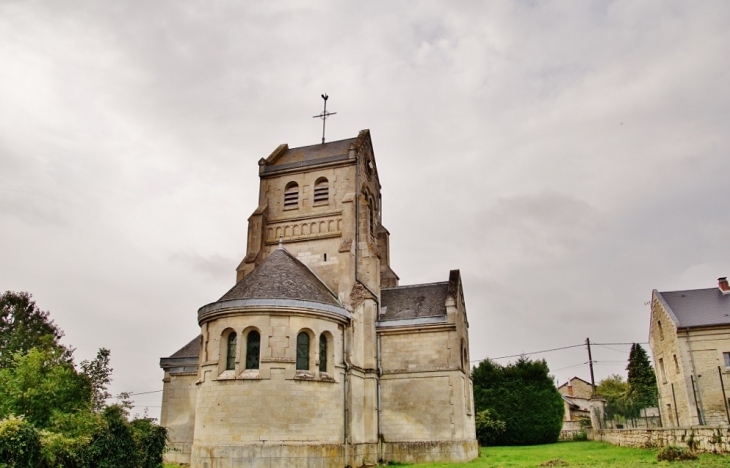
[[302, 351], [253, 349], [231, 353], [321, 191], [661, 368], [676, 363], [727, 360], [661, 330], [322, 353], [291, 195]]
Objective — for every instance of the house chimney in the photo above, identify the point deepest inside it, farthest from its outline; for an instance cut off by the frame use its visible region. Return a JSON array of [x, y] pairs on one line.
[[570, 388], [722, 284]]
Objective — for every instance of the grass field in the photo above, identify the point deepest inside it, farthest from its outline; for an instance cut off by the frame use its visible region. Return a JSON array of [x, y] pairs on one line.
[[577, 454]]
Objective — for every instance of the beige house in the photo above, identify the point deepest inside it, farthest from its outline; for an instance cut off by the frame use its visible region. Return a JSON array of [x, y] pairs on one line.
[[577, 394], [690, 342], [316, 356]]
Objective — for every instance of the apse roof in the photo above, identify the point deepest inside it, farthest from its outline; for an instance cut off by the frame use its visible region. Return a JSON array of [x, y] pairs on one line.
[[698, 307], [281, 276], [415, 301]]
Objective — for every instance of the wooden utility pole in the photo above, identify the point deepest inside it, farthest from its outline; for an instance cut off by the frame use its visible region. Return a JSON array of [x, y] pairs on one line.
[[590, 365]]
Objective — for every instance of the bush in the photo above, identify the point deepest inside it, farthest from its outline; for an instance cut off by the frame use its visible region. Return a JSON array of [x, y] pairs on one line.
[[523, 395], [20, 443], [488, 427], [150, 440], [62, 451], [673, 453]]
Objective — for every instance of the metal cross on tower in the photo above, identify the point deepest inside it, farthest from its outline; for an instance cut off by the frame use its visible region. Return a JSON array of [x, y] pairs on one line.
[[324, 115]]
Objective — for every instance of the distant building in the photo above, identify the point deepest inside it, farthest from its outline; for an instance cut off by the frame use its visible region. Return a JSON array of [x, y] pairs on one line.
[[577, 396], [690, 342], [316, 356]]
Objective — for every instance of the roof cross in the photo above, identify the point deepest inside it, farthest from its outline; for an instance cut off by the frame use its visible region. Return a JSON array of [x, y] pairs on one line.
[[324, 115]]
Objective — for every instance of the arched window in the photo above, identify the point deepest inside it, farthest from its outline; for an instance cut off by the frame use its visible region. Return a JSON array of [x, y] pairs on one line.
[[302, 351], [291, 195], [231, 352], [253, 349], [322, 353], [321, 191]]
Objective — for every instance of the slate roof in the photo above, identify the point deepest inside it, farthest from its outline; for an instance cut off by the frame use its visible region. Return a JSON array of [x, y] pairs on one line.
[[698, 307], [191, 349], [187, 355], [415, 301], [303, 156], [310, 153], [281, 276]]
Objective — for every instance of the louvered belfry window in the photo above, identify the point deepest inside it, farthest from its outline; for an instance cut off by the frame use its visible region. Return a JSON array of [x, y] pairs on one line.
[[253, 349], [321, 191], [302, 351], [322, 353], [231, 354], [291, 195]]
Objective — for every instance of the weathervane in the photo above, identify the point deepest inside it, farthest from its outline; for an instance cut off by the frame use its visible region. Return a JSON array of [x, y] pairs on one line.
[[324, 115]]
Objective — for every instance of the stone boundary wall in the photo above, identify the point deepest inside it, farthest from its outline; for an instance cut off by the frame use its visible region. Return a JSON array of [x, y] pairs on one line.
[[701, 439]]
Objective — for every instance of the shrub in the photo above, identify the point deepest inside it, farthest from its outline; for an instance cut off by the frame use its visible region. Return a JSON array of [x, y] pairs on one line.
[[488, 427], [20, 443], [150, 440], [580, 436], [674, 453], [113, 446], [62, 451], [523, 395]]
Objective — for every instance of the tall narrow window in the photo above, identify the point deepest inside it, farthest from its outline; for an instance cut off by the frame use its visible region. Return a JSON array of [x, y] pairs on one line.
[[676, 363], [302, 351], [727, 360], [231, 354], [253, 349], [372, 216], [321, 191], [291, 195], [661, 330], [663, 372], [322, 353]]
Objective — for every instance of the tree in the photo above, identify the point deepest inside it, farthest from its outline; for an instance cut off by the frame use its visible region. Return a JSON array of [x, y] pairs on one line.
[[24, 326], [615, 391], [642, 392], [99, 375], [522, 395], [42, 385]]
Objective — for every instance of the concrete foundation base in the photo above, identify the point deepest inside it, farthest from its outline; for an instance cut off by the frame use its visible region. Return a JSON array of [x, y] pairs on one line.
[[326, 455]]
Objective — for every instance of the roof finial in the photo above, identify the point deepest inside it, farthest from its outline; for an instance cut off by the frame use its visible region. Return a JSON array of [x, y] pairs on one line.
[[324, 114], [281, 242]]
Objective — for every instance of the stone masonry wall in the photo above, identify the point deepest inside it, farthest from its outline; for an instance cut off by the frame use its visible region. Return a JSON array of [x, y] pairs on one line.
[[704, 439]]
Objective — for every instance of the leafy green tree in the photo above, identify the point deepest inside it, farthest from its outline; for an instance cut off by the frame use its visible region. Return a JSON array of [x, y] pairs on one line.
[[642, 391], [43, 384], [24, 326], [99, 374], [615, 390], [522, 395]]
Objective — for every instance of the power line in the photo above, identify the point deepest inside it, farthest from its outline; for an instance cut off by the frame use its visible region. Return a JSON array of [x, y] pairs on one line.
[[145, 393], [569, 367], [534, 352]]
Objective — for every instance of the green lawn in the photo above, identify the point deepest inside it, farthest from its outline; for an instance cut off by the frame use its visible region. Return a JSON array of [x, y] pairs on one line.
[[578, 454], [583, 454]]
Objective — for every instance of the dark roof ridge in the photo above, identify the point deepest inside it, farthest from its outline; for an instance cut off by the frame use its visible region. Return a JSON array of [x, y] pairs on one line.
[[415, 285], [323, 144], [686, 290]]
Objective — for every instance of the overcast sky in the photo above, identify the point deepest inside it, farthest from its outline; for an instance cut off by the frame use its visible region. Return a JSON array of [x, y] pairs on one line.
[[567, 157]]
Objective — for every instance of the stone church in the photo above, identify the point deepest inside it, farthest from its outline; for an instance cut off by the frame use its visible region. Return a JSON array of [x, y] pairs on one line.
[[317, 356]]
